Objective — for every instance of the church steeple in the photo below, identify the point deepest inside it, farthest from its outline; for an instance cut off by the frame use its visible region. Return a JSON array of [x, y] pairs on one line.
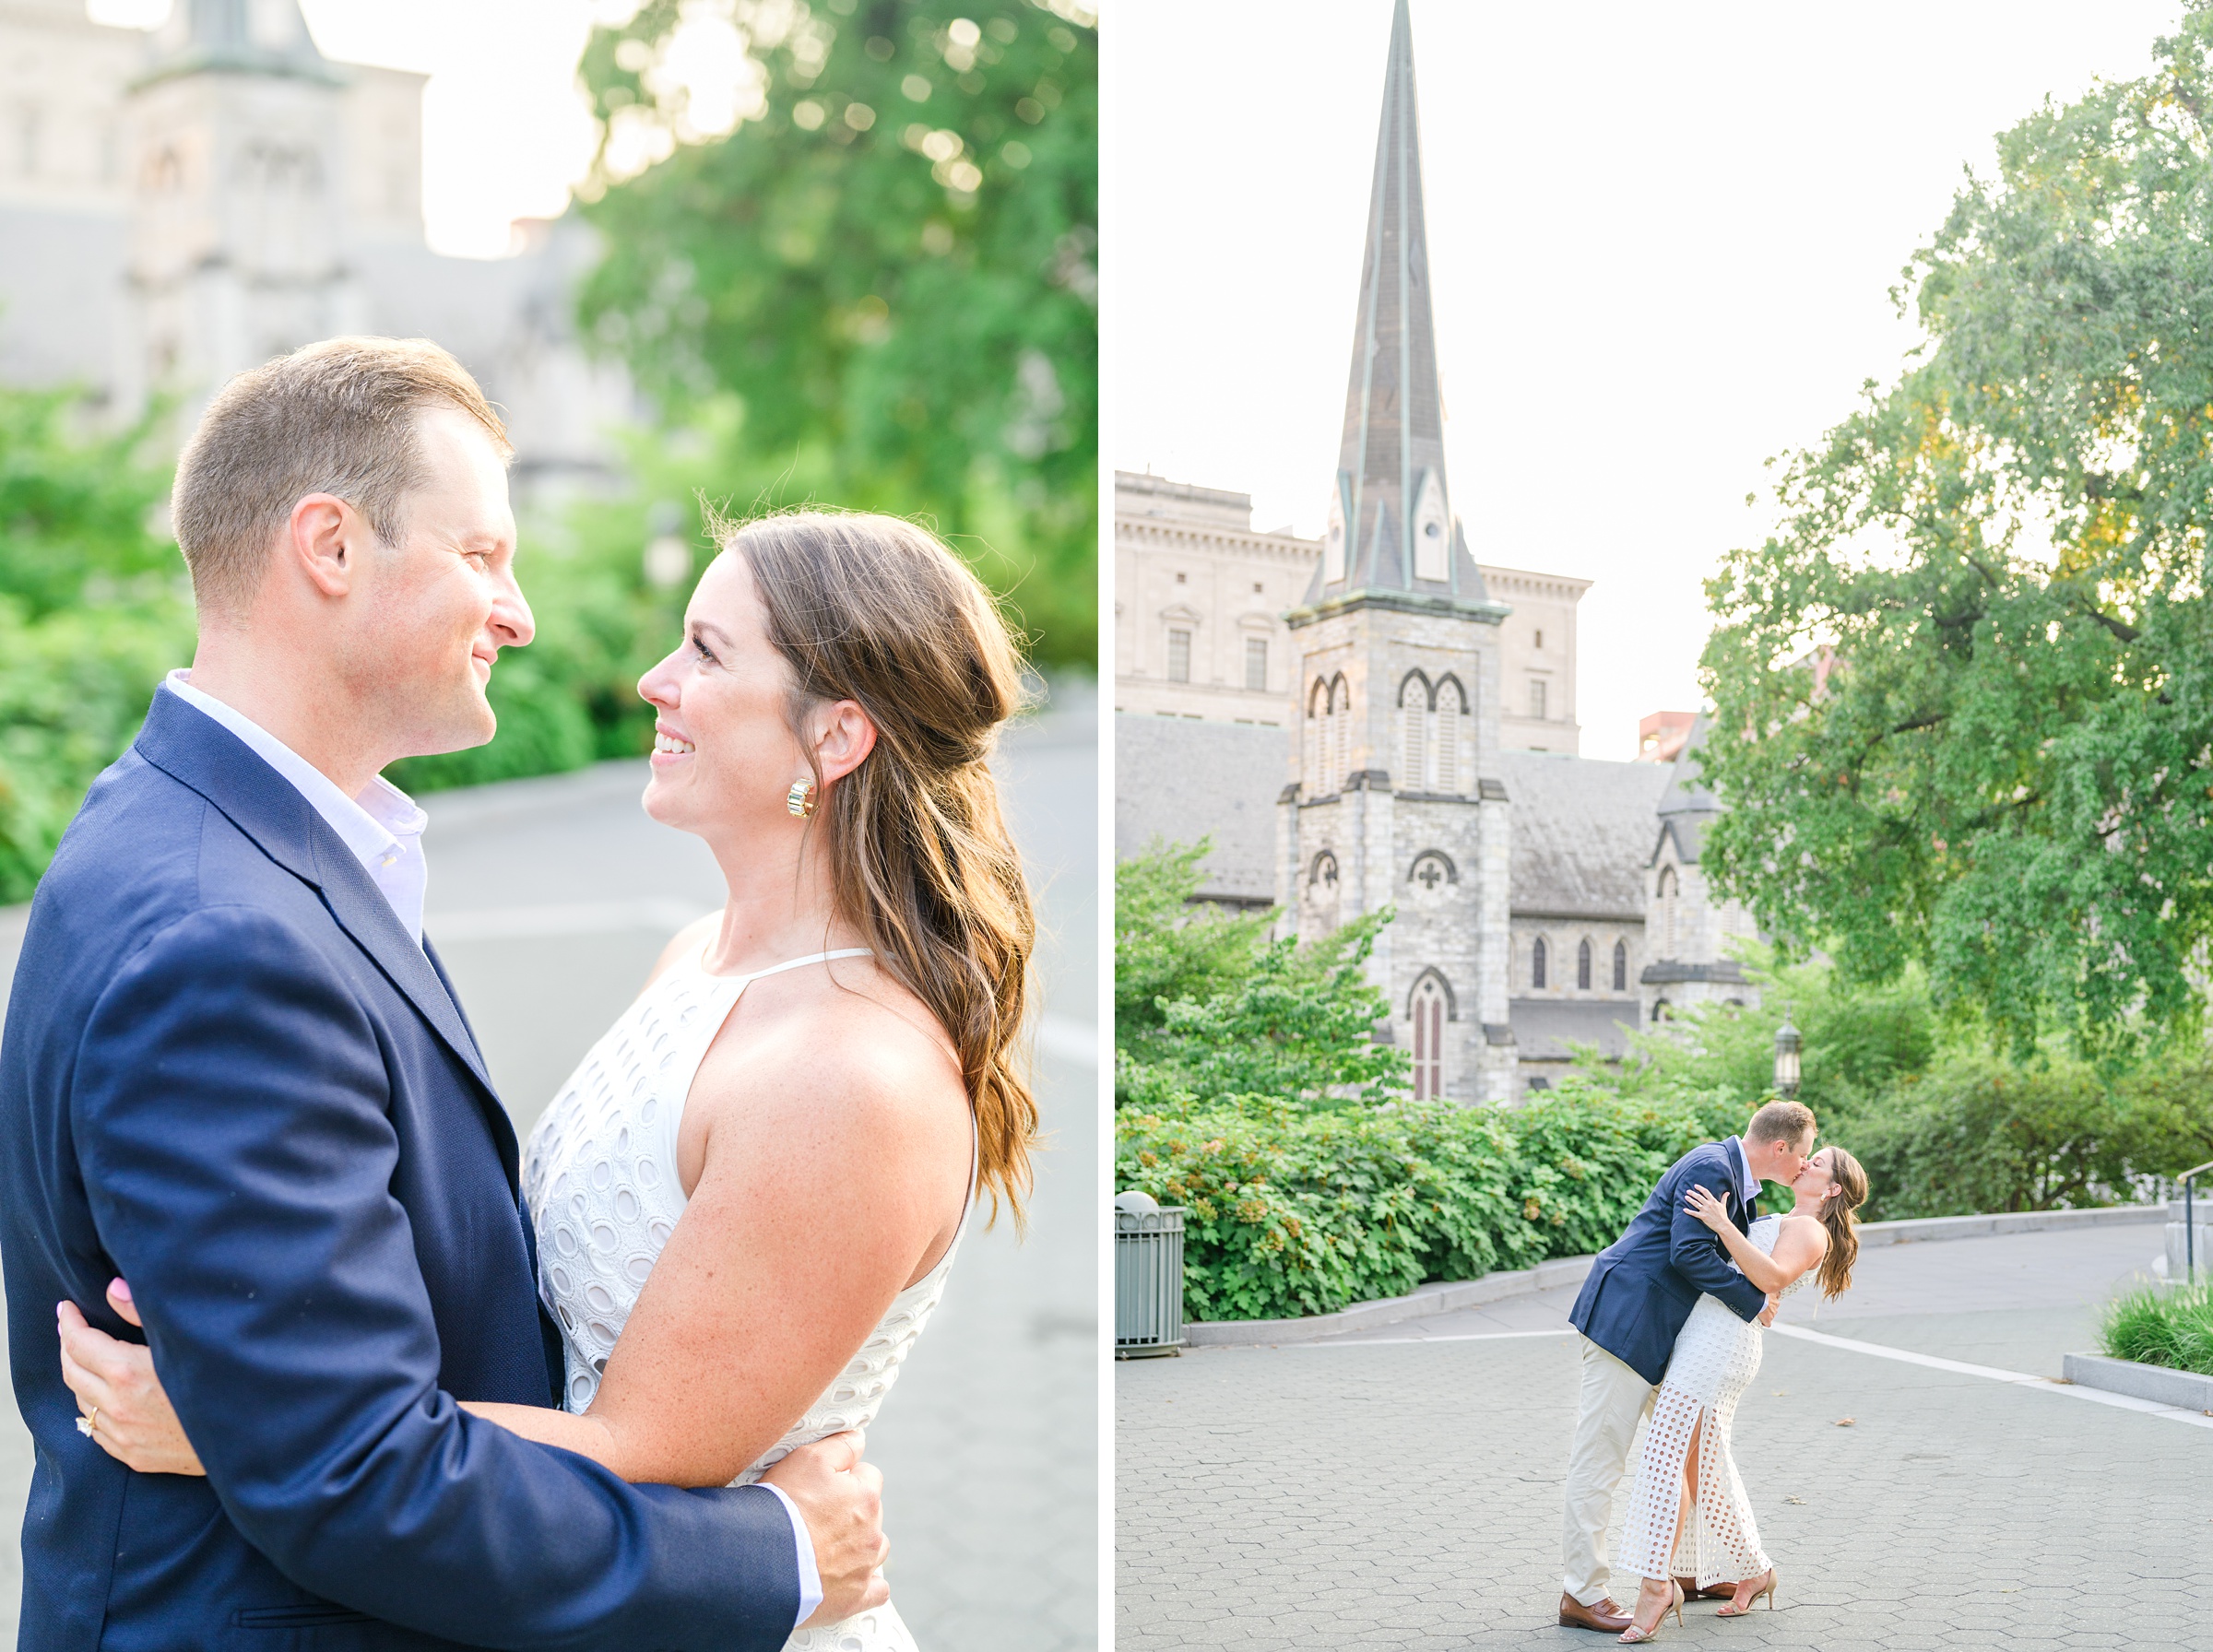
[[267, 37], [1391, 529]]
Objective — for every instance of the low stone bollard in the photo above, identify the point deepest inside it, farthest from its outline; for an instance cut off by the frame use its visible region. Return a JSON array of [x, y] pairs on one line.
[[1148, 1276]]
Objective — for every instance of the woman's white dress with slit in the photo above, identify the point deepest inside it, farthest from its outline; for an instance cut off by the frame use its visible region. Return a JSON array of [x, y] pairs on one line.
[[600, 1177], [1716, 1357]]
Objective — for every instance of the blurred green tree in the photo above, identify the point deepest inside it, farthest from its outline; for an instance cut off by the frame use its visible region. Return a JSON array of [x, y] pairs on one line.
[[891, 264], [94, 608], [1965, 694]]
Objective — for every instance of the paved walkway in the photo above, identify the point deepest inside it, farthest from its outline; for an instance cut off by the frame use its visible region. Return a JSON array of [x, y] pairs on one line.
[[548, 900], [1401, 1487]]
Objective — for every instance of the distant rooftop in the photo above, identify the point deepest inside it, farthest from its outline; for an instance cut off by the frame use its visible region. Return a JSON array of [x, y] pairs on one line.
[[1144, 494]]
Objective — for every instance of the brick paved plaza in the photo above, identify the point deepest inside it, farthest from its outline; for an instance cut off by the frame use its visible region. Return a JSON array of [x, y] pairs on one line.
[[1399, 1488], [550, 900]]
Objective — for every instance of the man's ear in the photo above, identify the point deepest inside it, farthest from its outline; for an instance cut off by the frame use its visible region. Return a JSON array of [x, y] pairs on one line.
[[325, 539]]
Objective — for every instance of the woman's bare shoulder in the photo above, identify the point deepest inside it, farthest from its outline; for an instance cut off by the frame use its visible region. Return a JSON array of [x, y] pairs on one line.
[[1805, 1231], [858, 1039]]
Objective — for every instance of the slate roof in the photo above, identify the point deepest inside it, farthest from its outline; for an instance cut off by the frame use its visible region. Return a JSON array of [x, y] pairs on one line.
[[1544, 1028], [1582, 833], [1181, 780]]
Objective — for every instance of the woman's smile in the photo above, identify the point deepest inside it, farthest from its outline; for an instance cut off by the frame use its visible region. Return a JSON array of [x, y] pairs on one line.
[[669, 747]]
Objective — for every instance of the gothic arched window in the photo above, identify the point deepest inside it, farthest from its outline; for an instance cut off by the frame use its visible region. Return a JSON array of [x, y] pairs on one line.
[[1340, 714], [1324, 874], [1318, 740], [1444, 736], [1431, 870], [1413, 733], [1582, 965], [1667, 913], [1536, 962], [1621, 966], [1428, 1014]]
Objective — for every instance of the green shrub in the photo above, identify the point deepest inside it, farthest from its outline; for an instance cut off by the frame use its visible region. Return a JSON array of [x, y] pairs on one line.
[[1209, 1007], [74, 688], [1291, 1211], [2173, 1329], [1978, 1133]]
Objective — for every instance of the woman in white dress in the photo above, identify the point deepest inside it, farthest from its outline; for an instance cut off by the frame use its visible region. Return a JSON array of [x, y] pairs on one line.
[[1689, 1515], [747, 1197]]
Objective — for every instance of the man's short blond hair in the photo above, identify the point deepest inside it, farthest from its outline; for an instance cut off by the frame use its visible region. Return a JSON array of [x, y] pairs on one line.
[[1781, 1121], [337, 418]]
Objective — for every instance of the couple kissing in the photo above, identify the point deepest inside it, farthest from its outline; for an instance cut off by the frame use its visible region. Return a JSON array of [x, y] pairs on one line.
[[1670, 1322]]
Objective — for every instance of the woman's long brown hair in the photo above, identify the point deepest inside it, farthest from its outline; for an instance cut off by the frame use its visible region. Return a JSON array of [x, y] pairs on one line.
[[876, 610], [1836, 1216]]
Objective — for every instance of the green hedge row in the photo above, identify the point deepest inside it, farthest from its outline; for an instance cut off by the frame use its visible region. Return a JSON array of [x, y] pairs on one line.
[[1292, 1211]]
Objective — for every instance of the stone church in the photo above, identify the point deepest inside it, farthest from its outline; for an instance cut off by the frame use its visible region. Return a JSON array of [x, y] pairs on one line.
[[1376, 719], [179, 205]]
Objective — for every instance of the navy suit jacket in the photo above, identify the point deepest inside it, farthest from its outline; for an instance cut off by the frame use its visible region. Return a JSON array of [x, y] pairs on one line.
[[230, 1076], [1642, 1287]]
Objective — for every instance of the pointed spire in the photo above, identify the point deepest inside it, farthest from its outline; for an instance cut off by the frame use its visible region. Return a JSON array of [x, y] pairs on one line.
[[1391, 524]]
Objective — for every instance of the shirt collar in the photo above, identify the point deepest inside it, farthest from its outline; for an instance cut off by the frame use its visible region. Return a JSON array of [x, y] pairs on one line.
[[1747, 1185], [373, 826]]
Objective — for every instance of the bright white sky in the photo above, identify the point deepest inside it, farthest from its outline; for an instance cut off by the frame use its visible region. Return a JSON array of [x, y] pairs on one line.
[[505, 130], [1663, 238]]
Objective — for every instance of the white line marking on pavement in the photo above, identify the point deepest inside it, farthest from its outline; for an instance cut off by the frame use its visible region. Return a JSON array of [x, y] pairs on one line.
[[663, 915], [2019, 1379], [1565, 1330], [1060, 1037], [1067, 1039]]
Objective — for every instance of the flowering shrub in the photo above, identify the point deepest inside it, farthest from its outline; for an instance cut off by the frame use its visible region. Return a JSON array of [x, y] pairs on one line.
[[1292, 1211]]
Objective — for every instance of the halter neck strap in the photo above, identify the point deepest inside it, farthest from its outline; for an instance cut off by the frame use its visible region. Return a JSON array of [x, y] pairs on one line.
[[789, 963]]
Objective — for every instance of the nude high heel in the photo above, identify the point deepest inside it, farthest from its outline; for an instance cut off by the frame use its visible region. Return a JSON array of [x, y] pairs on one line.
[[1767, 1593], [1633, 1633]]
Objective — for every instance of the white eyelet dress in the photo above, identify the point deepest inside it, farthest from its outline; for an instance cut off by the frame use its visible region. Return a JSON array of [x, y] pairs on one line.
[[1716, 1357], [600, 1177]]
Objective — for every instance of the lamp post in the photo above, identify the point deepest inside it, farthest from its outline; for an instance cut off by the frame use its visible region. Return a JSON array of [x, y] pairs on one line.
[[1787, 1044]]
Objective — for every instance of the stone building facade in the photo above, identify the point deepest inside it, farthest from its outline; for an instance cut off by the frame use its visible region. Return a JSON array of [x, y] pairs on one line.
[[181, 204]]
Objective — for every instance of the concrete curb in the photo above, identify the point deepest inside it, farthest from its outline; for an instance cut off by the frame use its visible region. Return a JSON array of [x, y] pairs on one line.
[[1443, 1297], [1450, 1296], [2186, 1390], [2005, 1221]]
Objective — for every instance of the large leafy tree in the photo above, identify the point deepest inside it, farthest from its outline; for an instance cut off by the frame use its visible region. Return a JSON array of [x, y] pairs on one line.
[[1965, 692], [891, 262]]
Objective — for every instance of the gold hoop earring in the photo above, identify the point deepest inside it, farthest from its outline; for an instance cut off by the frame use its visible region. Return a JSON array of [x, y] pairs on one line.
[[800, 798]]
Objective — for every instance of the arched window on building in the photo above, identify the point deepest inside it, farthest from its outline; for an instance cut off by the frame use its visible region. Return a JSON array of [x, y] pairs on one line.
[[1536, 962], [1341, 714], [1444, 736], [1662, 1010], [1667, 913], [1413, 733], [1318, 740], [1582, 965], [1428, 1014], [1621, 966]]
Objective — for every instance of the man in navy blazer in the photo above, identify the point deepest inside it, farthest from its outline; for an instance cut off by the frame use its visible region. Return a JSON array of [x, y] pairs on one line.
[[233, 1073], [1640, 1290]]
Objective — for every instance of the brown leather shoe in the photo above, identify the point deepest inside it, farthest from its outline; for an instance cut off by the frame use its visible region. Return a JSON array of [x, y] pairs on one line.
[[1715, 1592], [1605, 1616]]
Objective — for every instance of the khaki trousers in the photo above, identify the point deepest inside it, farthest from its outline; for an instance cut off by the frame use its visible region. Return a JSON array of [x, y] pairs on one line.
[[1614, 1400]]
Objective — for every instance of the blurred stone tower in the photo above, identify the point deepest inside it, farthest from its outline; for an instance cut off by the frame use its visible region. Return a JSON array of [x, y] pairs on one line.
[[1396, 798], [239, 158]]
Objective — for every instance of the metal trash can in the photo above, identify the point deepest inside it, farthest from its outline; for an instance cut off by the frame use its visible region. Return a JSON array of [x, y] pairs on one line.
[[1148, 1276]]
